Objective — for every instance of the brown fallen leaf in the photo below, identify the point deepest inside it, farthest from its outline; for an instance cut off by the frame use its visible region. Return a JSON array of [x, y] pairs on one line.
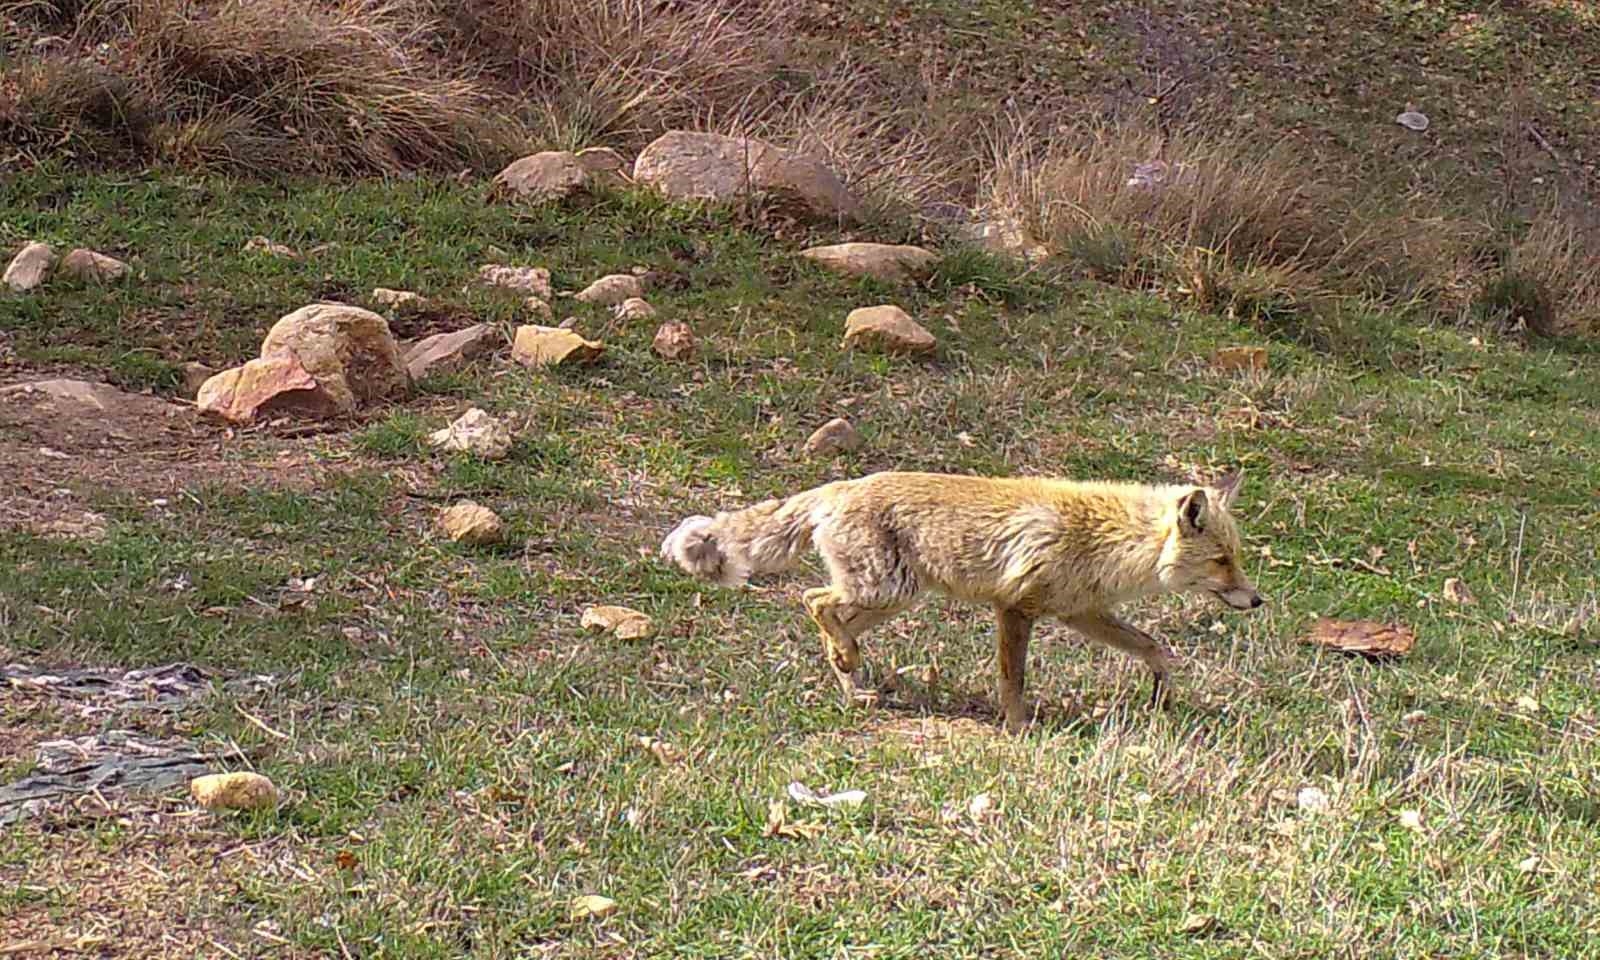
[[1232, 359], [1456, 592], [593, 907], [1366, 637], [1198, 924], [779, 825], [345, 860], [663, 751]]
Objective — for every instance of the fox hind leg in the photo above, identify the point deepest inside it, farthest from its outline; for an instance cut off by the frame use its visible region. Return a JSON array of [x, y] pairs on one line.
[[841, 623]]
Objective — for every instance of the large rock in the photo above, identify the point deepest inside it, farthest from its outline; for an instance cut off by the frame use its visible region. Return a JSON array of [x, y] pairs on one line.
[[233, 791], [93, 267], [540, 346], [447, 351], [531, 280], [886, 329], [29, 267], [886, 261], [349, 350], [557, 174], [322, 360], [710, 166], [611, 290], [266, 386]]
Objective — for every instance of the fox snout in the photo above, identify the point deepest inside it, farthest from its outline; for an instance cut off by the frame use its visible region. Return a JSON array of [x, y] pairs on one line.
[[1241, 599]]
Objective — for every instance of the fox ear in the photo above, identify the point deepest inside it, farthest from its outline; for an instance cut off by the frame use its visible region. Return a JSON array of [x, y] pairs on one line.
[[1192, 511], [1228, 487]]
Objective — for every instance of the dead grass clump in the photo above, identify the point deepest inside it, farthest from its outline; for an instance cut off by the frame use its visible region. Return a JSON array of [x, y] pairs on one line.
[[1546, 281], [1132, 206]]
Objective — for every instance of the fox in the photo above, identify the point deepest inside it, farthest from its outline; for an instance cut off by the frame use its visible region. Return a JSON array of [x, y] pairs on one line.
[[1030, 547]]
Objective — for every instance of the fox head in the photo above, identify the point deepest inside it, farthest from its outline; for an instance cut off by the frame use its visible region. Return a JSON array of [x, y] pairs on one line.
[[1202, 550]]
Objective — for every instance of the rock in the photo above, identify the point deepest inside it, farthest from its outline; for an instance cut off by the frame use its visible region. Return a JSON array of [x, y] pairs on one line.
[[263, 245], [835, 436], [93, 267], [885, 261], [233, 791], [384, 297], [100, 396], [886, 329], [593, 907], [611, 290], [474, 432], [674, 341], [557, 174], [349, 351], [539, 346], [195, 374], [1233, 359], [1370, 638], [448, 351], [634, 308], [265, 387], [539, 307], [550, 175], [623, 623], [532, 280], [29, 267], [710, 166], [1005, 235], [471, 524]]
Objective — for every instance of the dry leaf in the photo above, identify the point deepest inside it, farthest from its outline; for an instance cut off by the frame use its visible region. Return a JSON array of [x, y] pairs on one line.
[[1411, 819], [1198, 923], [663, 751], [1529, 865], [1456, 592], [981, 806], [779, 825], [345, 860], [622, 622], [1366, 637], [1414, 718], [592, 906], [1232, 359], [1312, 800], [1527, 704], [801, 793]]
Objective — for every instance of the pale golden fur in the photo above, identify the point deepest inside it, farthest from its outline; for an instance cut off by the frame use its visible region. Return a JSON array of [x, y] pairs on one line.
[[1030, 547]]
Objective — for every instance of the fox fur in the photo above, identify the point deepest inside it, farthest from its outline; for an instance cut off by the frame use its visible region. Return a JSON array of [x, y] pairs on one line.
[[1029, 547]]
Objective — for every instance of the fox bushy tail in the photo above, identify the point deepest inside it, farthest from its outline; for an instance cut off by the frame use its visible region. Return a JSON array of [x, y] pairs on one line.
[[733, 546]]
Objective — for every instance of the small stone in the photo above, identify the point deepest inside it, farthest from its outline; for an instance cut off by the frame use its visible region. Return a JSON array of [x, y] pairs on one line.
[[29, 267], [550, 175], [93, 267], [593, 907], [385, 297], [602, 164], [539, 308], [634, 308], [448, 351], [530, 280], [474, 432], [471, 524], [611, 290], [885, 261], [233, 791], [674, 341], [887, 329], [539, 346], [1456, 592], [264, 245], [195, 374], [623, 623], [834, 437], [687, 165]]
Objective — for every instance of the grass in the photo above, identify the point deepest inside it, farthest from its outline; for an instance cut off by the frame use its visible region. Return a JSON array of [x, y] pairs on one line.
[[462, 760]]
